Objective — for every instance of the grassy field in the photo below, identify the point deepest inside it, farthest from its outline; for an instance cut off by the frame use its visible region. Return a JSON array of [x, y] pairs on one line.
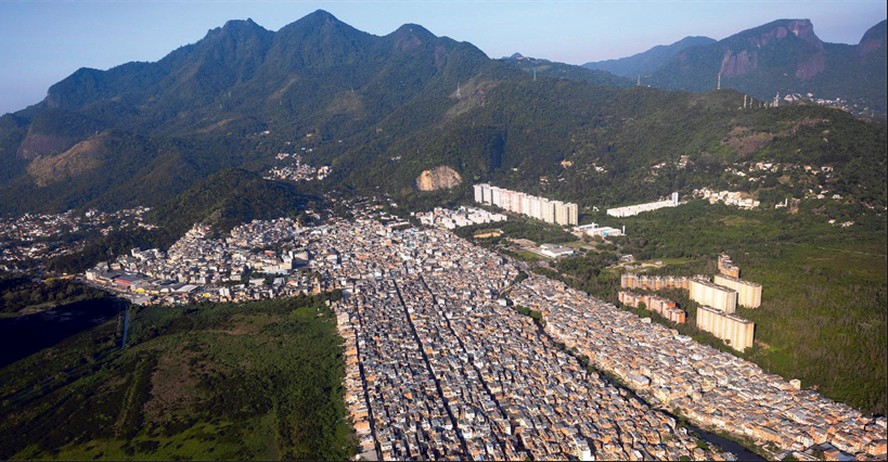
[[230, 381]]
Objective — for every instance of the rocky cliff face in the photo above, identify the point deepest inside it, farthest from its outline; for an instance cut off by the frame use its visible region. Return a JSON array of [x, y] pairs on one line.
[[785, 57], [873, 40], [742, 55], [83, 157], [440, 177]]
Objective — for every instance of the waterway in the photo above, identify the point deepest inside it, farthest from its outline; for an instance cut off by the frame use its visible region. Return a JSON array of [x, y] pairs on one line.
[[25, 335], [732, 446]]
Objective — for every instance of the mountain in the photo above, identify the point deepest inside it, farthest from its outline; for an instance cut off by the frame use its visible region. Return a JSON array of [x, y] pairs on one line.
[[203, 107], [381, 110], [543, 67], [644, 63], [785, 57], [228, 198]]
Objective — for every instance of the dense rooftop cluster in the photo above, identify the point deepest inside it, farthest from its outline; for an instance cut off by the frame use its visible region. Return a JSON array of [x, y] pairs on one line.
[[463, 216], [246, 265], [708, 386], [294, 169], [27, 241], [440, 364], [440, 367]]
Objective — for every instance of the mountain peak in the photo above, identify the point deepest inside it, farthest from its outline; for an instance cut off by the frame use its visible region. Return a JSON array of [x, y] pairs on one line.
[[320, 14], [648, 61], [319, 18], [873, 39], [236, 23], [413, 30], [779, 30], [237, 28], [411, 37]]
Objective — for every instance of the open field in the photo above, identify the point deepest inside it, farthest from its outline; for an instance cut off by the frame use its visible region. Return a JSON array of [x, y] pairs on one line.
[[231, 381]]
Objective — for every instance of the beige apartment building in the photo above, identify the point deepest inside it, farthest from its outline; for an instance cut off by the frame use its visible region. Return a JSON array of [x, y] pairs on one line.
[[736, 332], [749, 294], [716, 296]]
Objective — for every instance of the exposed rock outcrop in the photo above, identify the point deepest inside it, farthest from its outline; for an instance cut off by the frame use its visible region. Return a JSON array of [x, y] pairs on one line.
[[83, 157], [440, 177]]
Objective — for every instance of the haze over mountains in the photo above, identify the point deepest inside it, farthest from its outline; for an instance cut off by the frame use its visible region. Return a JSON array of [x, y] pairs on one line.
[[381, 110], [648, 61], [783, 56]]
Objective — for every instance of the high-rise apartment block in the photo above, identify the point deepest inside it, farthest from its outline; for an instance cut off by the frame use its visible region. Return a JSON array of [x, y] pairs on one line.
[[749, 294], [540, 208], [716, 296], [665, 307], [737, 332], [727, 267], [644, 282]]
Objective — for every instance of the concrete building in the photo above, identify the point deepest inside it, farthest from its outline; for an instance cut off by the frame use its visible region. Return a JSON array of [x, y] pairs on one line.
[[573, 213], [540, 208], [555, 251], [479, 193], [727, 267], [560, 213], [593, 230], [665, 307], [735, 331], [548, 211], [749, 294], [644, 282], [716, 296], [631, 210]]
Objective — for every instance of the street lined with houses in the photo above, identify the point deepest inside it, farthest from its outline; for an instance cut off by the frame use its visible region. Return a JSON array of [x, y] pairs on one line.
[[440, 363]]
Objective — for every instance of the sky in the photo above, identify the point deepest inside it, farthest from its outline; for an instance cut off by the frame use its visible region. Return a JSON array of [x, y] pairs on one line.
[[42, 42]]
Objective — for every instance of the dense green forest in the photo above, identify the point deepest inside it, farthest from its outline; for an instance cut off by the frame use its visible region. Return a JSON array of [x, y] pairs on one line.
[[229, 381]]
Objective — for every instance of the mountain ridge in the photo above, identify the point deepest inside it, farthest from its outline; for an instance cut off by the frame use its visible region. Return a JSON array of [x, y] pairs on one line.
[[645, 62], [379, 110], [784, 57]]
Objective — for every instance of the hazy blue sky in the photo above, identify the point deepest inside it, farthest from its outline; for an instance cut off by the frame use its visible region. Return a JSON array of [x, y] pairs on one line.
[[42, 42]]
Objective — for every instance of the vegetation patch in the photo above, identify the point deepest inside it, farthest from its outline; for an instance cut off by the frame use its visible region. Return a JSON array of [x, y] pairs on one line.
[[824, 312], [185, 388]]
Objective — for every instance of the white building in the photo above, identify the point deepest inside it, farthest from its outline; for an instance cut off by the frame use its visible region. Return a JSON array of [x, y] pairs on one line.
[[593, 230], [555, 251], [631, 210], [540, 208]]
